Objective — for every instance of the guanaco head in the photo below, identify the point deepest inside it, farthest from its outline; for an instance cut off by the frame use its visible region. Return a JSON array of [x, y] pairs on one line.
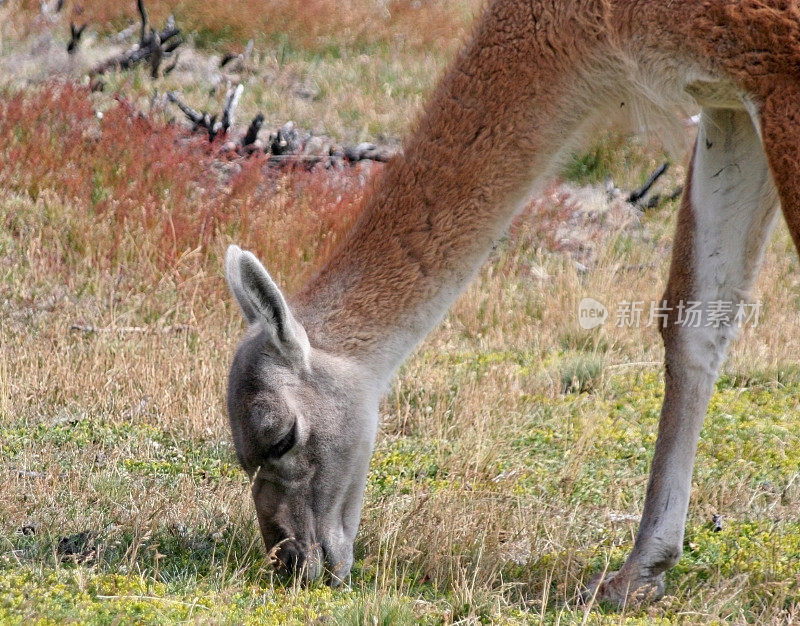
[[303, 423]]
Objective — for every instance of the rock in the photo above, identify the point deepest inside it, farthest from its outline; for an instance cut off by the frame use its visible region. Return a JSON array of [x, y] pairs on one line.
[[29, 528], [21, 473]]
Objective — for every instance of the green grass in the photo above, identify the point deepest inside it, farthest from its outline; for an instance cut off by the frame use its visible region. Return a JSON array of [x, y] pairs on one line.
[[174, 573]]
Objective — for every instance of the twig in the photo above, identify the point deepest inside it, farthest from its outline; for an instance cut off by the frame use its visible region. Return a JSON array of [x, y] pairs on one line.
[[74, 37], [145, 30], [252, 130], [229, 110], [123, 35], [675, 193], [173, 65], [156, 56], [633, 364], [242, 58], [638, 194], [137, 54], [199, 120], [207, 121], [140, 330], [368, 151], [135, 597], [153, 45]]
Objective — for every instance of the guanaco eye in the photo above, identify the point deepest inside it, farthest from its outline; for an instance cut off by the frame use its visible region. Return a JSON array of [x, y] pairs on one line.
[[286, 443]]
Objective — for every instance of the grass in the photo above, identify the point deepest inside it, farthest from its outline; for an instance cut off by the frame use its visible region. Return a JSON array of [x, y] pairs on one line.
[[319, 25], [514, 446]]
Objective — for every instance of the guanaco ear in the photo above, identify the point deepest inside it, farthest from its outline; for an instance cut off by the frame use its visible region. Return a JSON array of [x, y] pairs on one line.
[[263, 303]]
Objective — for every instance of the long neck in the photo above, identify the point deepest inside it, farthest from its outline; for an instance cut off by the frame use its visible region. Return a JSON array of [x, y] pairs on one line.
[[512, 103]]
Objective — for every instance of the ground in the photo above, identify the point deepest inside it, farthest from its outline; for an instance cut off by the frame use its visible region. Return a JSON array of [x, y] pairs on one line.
[[514, 446]]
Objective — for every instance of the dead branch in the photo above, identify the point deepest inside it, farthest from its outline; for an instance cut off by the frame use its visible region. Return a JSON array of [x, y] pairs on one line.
[[145, 30], [675, 194], [252, 130], [199, 120], [612, 191], [47, 10], [205, 120], [237, 59], [286, 141], [307, 160], [637, 194], [156, 56], [153, 45], [123, 35], [170, 47], [136, 330], [231, 102], [227, 58], [173, 65], [74, 37], [139, 53], [656, 199], [369, 151]]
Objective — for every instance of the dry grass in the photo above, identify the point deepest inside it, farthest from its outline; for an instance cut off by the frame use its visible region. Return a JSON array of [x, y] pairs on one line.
[[493, 494], [314, 24]]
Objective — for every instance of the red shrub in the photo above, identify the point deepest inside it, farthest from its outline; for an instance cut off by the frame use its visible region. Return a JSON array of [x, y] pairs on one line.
[[141, 194]]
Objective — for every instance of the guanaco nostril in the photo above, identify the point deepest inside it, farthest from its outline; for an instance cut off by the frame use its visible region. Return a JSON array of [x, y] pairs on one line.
[[291, 557], [295, 560]]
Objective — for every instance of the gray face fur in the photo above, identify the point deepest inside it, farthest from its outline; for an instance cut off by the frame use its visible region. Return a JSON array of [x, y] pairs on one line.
[[303, 424]]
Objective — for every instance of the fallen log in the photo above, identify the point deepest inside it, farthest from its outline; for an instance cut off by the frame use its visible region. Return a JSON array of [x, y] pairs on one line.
[[153, 45], [210, 123]]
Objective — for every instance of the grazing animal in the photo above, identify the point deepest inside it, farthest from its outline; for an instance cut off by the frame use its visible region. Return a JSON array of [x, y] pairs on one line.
[[534, 80]]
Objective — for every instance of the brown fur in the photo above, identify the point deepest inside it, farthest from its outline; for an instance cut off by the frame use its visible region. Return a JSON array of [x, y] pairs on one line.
[[477, 141], [475, 147]]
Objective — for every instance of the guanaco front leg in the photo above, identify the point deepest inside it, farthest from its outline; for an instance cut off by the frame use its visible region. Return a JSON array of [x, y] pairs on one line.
[[728, 210]]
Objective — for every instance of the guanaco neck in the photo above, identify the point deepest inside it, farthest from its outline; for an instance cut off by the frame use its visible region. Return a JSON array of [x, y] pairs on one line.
[[511, 104]]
